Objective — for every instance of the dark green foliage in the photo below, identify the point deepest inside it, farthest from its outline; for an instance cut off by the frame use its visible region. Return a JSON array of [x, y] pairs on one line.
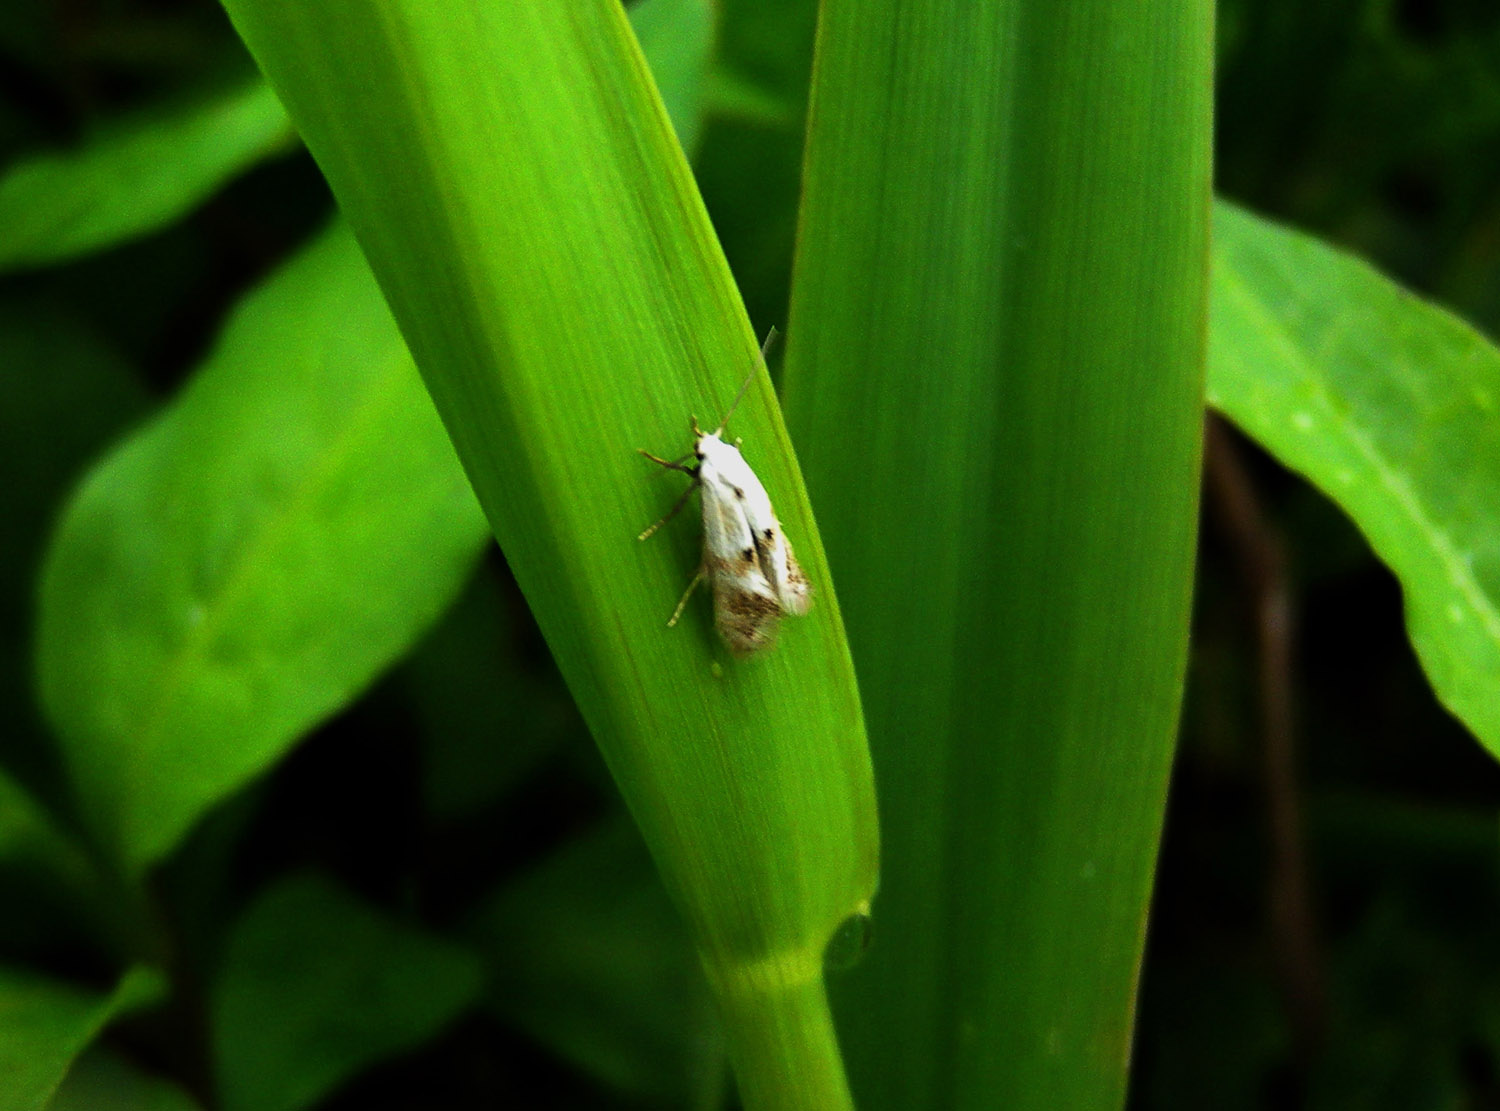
[[417, 885]]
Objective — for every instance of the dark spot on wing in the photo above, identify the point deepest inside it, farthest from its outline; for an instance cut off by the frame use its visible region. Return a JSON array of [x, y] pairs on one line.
[[739, 493], [770, 534]]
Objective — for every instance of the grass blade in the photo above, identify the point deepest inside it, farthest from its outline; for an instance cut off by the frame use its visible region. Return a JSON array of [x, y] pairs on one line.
[[516, 186], [994, 377]]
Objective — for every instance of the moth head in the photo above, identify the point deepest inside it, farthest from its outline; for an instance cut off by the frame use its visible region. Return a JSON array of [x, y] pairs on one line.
[[706, 443]]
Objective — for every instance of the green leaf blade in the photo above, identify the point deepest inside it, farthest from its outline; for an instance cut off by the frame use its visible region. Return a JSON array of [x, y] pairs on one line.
[[994, 377], [1388, 405], [568, 307], [245, 564]]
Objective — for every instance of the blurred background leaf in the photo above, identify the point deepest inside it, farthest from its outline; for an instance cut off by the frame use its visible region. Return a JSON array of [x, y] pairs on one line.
[[1389, 405], [315, 986], [677, 38], [589, 958], [65, 391], [136, 178], [249, 561], [46, 1023], [104, 1081], [491, 712]]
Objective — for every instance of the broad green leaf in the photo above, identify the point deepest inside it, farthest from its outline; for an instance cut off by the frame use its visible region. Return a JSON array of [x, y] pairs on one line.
[[103, 1081], [994, 379], [136, 178], [245, 564], [315, 986], [1391, 407], [514, 181], [45, 1024], [587, 956]]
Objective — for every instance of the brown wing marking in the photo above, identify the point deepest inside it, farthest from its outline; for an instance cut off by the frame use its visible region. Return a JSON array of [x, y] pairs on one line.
[[745, 618]]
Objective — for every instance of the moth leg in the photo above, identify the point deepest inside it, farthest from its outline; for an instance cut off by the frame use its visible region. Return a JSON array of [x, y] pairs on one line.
[[676, 509], [688, 593]]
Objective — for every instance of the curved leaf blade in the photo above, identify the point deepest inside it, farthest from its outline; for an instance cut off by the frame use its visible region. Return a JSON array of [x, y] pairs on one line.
[[513, 179], [245, 564], [120, 186], [1391, 407]]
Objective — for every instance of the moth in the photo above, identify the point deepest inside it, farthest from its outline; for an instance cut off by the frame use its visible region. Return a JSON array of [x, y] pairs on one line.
[[747, 558]]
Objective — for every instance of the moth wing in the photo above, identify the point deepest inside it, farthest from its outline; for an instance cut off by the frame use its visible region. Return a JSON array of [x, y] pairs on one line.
[[746, 611], [788, 581], [746, 606], [793, 590]]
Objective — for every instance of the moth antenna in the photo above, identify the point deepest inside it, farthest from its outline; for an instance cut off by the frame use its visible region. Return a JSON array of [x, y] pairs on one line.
[[765, 349]]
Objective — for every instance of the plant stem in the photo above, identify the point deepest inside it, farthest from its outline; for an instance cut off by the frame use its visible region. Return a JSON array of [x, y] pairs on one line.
[[781, 1036]]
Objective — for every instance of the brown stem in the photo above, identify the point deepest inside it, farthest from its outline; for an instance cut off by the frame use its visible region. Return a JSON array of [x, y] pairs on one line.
[[1260, 555]]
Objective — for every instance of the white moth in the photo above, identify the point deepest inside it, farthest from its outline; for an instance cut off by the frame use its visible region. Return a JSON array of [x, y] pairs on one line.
[[746, 556]]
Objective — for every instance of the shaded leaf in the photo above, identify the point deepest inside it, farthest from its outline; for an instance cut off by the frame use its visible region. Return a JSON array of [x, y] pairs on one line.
[[244, 565], [45, 1024], [316, 985], [588, 957], [1391, 407], [48, 883], [104, 1081], [136, 179], [488, 716]]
